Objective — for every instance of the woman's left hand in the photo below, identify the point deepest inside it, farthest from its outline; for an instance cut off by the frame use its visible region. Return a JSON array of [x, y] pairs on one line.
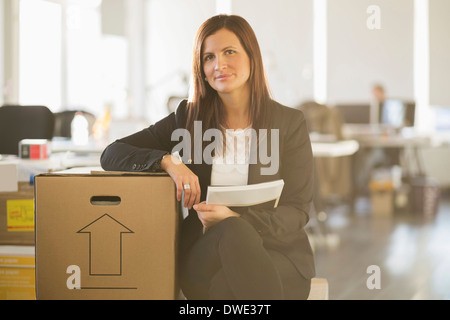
[[210, 214]]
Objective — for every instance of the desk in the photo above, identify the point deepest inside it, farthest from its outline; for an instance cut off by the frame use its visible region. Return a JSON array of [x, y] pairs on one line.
[[64, 155], [26, 168], [383, 147], [334, 149], [395, 141], [70, 155], [372, 137], [66, 145]]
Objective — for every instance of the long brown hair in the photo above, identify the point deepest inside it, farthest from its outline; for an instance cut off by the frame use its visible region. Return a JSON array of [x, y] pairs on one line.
[[204, 103]]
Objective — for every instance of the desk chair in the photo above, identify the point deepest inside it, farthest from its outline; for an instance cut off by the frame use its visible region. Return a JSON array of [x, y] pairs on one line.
[[332, 173], [173, 102], [63, 121], [23, 122]]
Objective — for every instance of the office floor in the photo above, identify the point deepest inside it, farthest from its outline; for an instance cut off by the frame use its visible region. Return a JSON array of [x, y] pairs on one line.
[[413, 254]]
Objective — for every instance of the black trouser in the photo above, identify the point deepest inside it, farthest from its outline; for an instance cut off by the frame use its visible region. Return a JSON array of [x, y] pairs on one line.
[[230, 262]]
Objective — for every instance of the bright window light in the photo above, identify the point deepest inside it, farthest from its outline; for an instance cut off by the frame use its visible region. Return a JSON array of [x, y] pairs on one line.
[[223, 6], [320, 50], [40, 53], [421, 65]]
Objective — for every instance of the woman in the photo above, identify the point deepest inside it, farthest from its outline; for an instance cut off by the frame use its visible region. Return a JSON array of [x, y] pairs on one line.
[[256, 252]]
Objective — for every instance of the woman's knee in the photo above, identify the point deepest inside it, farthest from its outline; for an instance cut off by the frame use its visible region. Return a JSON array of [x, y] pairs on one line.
[[235, 230], [235, 226]]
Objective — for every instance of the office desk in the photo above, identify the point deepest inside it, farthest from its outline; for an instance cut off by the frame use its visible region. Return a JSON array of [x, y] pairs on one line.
[[395, 141], [386, 148], [70, 155], [372, 136], [64, 145], [334, 149], [407, 144], [64, 155]]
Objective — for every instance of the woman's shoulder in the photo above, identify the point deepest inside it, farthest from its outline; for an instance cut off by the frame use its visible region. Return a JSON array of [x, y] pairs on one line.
[[181, 113], [182, 107]]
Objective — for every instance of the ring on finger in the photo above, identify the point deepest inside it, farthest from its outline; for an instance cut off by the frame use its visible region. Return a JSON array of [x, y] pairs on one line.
[[186, 186]]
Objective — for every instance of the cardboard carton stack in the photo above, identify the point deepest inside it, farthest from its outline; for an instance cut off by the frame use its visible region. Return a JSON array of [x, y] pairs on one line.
[[17, 273], [16, 207]]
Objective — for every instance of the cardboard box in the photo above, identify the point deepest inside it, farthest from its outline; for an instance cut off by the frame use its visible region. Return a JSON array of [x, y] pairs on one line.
[[17, 273], [106, 236], [17, 216], [8, 177], [382, 197], [382, 202]]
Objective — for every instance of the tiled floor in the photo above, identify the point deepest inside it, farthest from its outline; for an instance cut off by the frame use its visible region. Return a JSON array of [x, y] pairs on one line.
[[413, 254]]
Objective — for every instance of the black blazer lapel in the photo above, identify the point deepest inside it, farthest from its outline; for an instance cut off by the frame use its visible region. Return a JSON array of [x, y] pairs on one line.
[[254, 171]]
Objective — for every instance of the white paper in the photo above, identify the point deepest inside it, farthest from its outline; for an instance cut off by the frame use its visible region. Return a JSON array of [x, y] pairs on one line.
[[8, 177], [247, 195]]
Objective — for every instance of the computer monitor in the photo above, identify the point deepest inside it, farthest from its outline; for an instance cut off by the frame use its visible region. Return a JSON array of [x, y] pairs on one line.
[[357, 113], [410, 113], [393, 113]]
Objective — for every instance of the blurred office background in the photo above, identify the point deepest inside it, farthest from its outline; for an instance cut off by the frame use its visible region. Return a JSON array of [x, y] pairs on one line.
[[133, 55], [131, 59]]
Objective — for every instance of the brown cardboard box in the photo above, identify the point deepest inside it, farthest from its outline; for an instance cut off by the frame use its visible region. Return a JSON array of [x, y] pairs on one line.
[[382, 198], [382, 203], [106, 236], [17, 216], [17, 274]]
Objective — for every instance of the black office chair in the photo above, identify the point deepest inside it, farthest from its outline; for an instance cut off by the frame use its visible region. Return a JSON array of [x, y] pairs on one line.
[[63, 121], [24, 122]]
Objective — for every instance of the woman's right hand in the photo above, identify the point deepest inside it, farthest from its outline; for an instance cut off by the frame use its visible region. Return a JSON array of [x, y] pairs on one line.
[[182, 176]]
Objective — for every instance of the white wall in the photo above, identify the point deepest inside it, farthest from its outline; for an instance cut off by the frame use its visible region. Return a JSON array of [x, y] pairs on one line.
[[359, 56], [284, 32], [285, 35], [439, 11], [171, 28]]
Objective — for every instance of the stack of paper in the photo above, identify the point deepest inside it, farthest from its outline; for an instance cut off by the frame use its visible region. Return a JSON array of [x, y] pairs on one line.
[[246, 195]]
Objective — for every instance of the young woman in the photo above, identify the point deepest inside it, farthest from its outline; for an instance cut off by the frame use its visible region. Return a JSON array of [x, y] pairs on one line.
[[255, 252]]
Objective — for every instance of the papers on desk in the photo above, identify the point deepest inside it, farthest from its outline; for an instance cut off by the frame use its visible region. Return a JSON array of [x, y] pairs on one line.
[[9, 177], [247, 195]]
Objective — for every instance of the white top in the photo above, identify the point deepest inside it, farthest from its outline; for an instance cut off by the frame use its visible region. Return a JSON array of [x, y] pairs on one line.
[[231, 168]]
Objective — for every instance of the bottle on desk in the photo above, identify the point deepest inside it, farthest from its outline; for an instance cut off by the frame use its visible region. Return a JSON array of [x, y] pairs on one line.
[[79, 129]]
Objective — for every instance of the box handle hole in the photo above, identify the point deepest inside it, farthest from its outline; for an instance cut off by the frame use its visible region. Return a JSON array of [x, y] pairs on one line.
[[105, 200]]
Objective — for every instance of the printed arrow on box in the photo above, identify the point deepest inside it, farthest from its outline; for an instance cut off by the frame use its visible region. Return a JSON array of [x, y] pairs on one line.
[[105, 246]]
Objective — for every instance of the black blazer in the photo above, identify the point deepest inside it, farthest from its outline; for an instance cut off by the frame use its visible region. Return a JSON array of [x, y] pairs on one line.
[[281, 228]]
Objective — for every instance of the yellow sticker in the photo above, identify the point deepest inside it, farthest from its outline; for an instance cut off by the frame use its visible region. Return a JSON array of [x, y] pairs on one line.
[[20, 215]]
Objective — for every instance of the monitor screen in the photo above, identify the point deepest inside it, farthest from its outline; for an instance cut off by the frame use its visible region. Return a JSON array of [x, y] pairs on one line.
[[354, 113], [393, 113]]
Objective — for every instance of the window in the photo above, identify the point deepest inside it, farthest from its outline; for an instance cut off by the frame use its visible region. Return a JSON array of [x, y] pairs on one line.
[[65, 60], [40, 53]]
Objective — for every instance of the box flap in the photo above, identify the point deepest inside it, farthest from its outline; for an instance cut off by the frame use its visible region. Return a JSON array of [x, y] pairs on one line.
[[91, 173]]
